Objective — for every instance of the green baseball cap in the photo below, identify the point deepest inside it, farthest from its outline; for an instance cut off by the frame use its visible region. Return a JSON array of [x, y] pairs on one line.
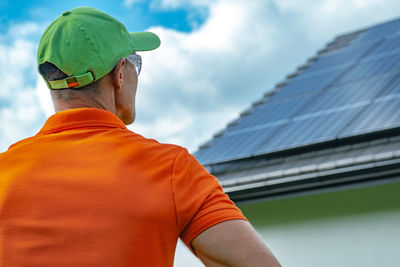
[[86, 44]]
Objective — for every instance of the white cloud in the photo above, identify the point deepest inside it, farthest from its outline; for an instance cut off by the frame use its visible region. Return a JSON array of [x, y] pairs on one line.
[[178, 4], [198, 76], [24, 30], [44, 96], [20, 113], [129, 3], [21, 119], [15, 60], [326, 18]]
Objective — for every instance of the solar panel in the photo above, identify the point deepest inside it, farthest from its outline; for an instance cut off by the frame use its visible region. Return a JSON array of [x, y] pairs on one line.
[[382, 114], [307, 84], [388, 44], [372, 66], [236, 145], [351, 93], [341, 56], [346, 91], [272, 112], [392, 89], [381, 30], [312, 129]]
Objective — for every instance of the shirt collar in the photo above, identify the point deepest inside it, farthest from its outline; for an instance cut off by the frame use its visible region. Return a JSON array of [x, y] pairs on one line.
[[80, 117]]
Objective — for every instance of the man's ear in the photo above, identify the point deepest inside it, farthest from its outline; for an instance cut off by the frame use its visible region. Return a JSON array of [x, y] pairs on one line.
[[118, 75]]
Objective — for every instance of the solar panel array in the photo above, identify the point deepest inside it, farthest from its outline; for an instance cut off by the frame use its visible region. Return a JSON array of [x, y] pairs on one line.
[[345, 91]]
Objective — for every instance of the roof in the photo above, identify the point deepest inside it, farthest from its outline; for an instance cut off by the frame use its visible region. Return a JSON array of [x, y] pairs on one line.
[[345, 96], [370, 162]]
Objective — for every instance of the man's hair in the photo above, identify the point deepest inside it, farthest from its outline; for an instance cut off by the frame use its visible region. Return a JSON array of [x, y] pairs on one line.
[[52, 73]]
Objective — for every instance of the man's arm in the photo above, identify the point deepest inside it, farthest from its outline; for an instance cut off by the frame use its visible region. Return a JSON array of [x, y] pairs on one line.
[[233, 243]]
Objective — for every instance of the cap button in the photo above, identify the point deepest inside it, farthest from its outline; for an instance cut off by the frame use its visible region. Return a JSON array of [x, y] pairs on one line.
[[66, 13]]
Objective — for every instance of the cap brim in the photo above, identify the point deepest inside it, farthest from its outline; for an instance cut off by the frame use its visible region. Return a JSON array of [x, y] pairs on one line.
[[145, 41]]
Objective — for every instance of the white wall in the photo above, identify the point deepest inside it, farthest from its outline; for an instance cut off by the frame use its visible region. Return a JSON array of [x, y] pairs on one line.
[[353, 227], [358, 240], [185, 258]]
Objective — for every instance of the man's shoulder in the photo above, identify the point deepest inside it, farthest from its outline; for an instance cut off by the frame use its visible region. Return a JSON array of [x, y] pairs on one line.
[[21, 142], [136, 140]]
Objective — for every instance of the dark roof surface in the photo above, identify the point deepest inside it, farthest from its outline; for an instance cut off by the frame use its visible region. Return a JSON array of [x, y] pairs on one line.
[[369, 162], [350, 88]]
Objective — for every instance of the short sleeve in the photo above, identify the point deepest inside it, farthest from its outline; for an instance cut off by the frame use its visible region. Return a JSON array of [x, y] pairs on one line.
[[199, 199]]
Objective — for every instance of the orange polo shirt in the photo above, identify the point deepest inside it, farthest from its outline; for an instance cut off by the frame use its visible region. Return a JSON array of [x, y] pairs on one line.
[[86, 191]]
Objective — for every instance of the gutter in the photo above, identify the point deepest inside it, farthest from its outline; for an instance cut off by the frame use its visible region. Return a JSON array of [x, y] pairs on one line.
[[380, 168]]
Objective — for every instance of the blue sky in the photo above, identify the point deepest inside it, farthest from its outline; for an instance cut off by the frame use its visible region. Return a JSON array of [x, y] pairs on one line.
[[136, 15], [216, 57]]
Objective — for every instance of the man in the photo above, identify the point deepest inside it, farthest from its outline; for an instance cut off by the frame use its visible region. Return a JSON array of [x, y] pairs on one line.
[[86, 191]]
